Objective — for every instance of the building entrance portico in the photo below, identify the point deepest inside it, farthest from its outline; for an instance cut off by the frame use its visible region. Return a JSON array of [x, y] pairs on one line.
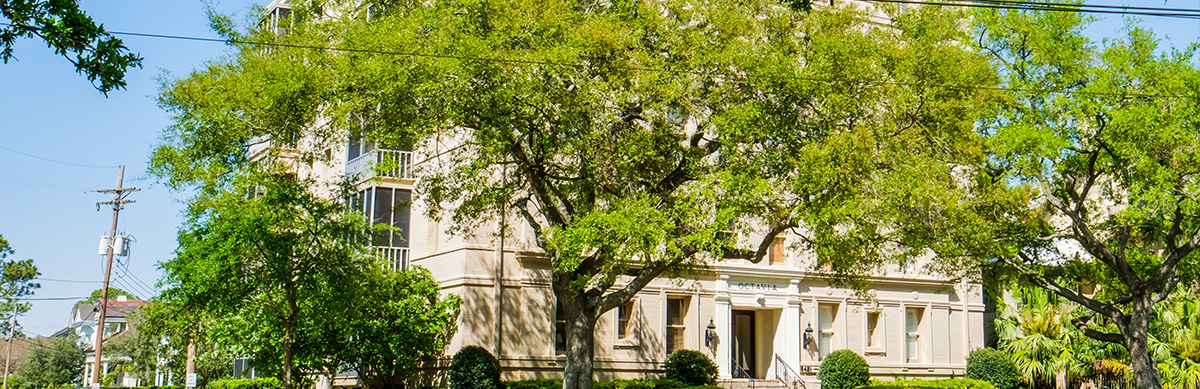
[[758, 322]]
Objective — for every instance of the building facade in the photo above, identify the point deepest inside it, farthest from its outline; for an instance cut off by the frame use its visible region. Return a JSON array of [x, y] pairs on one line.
[[776, 318]]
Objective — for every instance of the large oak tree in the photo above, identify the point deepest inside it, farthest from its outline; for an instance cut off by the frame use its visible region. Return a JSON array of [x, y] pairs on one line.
[[634, 138]]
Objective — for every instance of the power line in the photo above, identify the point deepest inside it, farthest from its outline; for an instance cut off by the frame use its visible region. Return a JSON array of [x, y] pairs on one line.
[[51, 298], [658, 70], [70, 281], [1179, 13], [53, 160]]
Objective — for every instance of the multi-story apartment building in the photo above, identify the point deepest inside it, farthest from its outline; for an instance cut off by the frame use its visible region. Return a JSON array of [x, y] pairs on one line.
[[771, 319]]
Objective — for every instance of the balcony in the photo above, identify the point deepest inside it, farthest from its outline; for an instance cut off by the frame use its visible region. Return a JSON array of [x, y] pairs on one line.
[[394, 258], [381, 163]]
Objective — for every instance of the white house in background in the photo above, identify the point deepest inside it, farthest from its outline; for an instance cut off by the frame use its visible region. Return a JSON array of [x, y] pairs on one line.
[[83, 323]]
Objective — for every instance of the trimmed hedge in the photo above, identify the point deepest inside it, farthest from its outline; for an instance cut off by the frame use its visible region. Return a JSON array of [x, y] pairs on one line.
[[545, 383], [245, 383], [691, 367], [955, 383], [473, 367], [843, 369], [540, 383], [993, 366]]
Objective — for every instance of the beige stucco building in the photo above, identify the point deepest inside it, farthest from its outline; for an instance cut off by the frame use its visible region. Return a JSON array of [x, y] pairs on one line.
[[772, 319], [751, 319]]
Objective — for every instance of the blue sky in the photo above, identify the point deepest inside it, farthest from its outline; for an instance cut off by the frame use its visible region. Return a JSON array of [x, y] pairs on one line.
[[46, 211]]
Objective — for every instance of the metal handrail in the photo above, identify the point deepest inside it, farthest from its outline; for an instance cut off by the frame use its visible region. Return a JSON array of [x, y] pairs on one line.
[[738, 372], [785, 374]]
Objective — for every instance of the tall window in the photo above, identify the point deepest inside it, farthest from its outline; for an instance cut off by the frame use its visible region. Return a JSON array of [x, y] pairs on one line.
[[624, 313], [676, 311], [874, 333], [912, 329], [386, 206], [826, 316], [560, 330], [778, 252]]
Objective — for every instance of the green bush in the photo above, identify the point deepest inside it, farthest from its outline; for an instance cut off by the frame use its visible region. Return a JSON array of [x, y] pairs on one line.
[[993, 366], [544, 383], [958, 383], [474, 367], [691, 368], [245, 383], [540, 383], [843, 369], [669, 384]]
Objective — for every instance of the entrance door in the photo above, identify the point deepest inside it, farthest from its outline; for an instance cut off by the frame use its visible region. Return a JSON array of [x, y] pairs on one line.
[[743, 344]]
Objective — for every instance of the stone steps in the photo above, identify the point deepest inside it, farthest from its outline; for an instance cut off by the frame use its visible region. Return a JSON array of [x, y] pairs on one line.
[[745, 383]]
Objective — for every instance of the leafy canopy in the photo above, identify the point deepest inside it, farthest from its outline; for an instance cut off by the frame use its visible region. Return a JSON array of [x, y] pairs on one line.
[[96, 54]]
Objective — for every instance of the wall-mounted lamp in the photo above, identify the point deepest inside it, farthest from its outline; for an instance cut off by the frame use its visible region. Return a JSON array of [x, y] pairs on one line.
[[808, 336], [710, 334]]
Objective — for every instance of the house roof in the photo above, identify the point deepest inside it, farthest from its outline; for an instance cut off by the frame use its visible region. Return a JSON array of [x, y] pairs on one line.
[[116, 310]]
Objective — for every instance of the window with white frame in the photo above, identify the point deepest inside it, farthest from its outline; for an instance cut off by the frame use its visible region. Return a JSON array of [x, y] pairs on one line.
[[875, 331], [826, 317], [676, 312], [624, 314], [912, 329]]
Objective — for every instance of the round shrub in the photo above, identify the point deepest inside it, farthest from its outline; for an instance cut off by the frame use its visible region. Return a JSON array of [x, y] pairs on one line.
[[474, 367], [843, 369], [691, 367], [994, 367]]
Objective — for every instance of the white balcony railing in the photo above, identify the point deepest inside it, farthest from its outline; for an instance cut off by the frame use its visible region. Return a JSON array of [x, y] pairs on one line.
[[394, 258], [391, 163]]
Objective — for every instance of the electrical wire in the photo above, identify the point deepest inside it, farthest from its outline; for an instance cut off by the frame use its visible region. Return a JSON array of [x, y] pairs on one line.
[[832, 80], [1035, 6], [69, 281], [54, 160]]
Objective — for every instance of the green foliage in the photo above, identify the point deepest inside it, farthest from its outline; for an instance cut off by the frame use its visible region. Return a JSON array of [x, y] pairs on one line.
[[96, 54], [474, 367], [167, 321], [539, 383], [959, 383], [16, 281], [250, 383], [633, 138], [994, 367], [843, 369], [402, 319], [1175, 341], [544, 383], [113, 293], [52, 362], [691, 367], [276, 274]]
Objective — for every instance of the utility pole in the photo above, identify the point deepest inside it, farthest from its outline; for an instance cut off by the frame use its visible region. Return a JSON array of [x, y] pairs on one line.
[[117, 202], [12, 330]]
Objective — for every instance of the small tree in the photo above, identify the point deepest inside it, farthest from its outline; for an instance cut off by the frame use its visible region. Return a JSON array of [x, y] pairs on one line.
[[400, 319], [271, 266], [53, 362]]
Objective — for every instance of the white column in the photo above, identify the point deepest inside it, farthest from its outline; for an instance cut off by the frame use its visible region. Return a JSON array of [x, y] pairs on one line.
[[965, 296], [724, 338], [790, 348]]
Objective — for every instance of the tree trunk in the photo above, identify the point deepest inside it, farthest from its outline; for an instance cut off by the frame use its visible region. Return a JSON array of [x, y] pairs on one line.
[[581, 344], [1136, 333], [288, 333]]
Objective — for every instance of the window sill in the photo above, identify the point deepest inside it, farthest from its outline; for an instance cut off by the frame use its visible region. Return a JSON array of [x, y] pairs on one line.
[[625, 344], [875, 351]]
